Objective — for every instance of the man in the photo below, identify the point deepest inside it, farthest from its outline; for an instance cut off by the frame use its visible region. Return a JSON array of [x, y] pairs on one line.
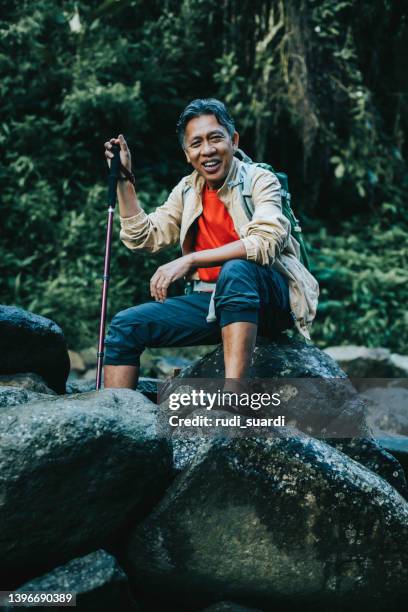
[[247, 278]]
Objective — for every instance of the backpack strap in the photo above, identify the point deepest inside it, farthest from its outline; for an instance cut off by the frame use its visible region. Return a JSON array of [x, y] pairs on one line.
[[245, 187], [244, 184]]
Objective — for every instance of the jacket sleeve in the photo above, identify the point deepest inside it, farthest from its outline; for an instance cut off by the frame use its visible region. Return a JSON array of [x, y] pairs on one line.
[[157, 230], [267, 234]]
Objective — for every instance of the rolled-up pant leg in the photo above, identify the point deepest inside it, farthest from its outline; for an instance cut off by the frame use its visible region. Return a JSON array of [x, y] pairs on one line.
[[246, 291], [179, 321]]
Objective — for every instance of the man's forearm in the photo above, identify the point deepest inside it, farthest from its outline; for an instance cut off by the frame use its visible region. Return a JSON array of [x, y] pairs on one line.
[[216, 257], [128, 204]]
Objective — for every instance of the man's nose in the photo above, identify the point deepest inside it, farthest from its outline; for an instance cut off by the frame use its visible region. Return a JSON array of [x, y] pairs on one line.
[[208, 148]]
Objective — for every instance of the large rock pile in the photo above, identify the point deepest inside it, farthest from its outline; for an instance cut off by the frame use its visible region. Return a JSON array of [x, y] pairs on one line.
[[274, 523], [75, 471], [99, 491]]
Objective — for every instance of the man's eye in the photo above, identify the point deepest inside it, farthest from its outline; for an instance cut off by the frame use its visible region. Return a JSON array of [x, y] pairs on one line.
[[216, 138], [195, 144]]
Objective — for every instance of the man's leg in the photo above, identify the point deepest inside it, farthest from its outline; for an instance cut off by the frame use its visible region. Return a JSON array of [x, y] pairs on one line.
[[179, 321], [121, 376], [239, 342], [245, 293]]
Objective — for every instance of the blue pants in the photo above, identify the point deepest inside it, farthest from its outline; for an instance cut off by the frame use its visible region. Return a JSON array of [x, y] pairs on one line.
[[245, 291]]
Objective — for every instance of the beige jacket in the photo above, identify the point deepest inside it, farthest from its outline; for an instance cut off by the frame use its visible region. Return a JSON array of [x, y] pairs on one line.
[[266, 237]]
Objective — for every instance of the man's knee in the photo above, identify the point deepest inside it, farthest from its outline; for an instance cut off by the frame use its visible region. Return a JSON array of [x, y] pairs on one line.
[[235, 269], [124, 323], [237, 296], [126, 337], [120, 319]]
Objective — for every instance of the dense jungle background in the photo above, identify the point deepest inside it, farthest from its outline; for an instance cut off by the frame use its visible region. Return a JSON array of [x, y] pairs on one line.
[[318, 88]]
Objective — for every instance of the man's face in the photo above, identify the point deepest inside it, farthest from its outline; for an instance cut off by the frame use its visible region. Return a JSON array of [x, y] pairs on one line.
[[209, 149]]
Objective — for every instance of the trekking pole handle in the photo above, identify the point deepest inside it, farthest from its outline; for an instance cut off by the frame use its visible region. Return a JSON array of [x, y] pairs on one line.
[[113, 175]]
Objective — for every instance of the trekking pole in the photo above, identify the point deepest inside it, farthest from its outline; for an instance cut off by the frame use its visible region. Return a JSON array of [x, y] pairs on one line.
[[112, 185]]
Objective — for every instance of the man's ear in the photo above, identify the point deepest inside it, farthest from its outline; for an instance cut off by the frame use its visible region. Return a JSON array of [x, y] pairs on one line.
[[235, 141], [187, 157]]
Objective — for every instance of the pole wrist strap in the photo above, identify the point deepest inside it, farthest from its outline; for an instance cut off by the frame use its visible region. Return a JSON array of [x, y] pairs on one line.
[[128, 176]]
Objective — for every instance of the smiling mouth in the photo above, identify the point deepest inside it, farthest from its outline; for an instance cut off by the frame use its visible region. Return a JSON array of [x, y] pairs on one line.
[[212, 165]]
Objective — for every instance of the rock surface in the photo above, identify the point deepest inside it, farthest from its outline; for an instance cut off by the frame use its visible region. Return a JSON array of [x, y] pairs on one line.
[[380, 459], [74, 472], [396, 445], [368, 362], [286, 358], [188, 441], [97, 579], [147, 386], [375, 457], [400, 362], [320, 401], [387, 409], [284, 523], [13, 396], [80, 385], [30, 343], [29, 381]]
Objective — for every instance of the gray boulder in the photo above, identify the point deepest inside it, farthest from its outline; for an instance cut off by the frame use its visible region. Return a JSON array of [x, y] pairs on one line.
[[284, 358], [314, 392], [387, 409], [30, 343], [278, 523], [374, 456], [147, 386], [317, 398], [75, 471], [396, 445], [28, 380], [80, 385], [382, 456], [400, 363], [369, 362], [97, 580], [188, 441], [13, 396]]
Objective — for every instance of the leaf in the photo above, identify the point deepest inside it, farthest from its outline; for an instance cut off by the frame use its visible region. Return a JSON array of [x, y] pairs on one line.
[[339, 171]]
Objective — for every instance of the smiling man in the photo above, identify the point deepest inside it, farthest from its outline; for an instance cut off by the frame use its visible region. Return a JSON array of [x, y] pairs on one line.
[[246, 275]]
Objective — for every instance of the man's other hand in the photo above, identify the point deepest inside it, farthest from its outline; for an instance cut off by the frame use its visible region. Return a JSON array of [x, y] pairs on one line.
[[125, 156], [167, 274]]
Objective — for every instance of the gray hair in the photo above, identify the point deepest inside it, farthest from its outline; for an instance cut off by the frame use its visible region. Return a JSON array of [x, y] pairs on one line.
[[205, 106]]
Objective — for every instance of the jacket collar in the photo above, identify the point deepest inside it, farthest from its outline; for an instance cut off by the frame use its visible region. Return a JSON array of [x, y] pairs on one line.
[[197, 181]]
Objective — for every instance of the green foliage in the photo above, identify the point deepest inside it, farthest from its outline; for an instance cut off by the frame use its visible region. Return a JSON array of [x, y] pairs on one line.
[[363, 278], [308, 94]]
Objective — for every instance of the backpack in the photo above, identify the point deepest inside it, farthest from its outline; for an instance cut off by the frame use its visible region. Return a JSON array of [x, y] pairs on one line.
[[245, 186]]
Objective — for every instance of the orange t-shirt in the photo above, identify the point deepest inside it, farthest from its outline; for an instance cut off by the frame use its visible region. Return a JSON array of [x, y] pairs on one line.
[[215, 228]]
